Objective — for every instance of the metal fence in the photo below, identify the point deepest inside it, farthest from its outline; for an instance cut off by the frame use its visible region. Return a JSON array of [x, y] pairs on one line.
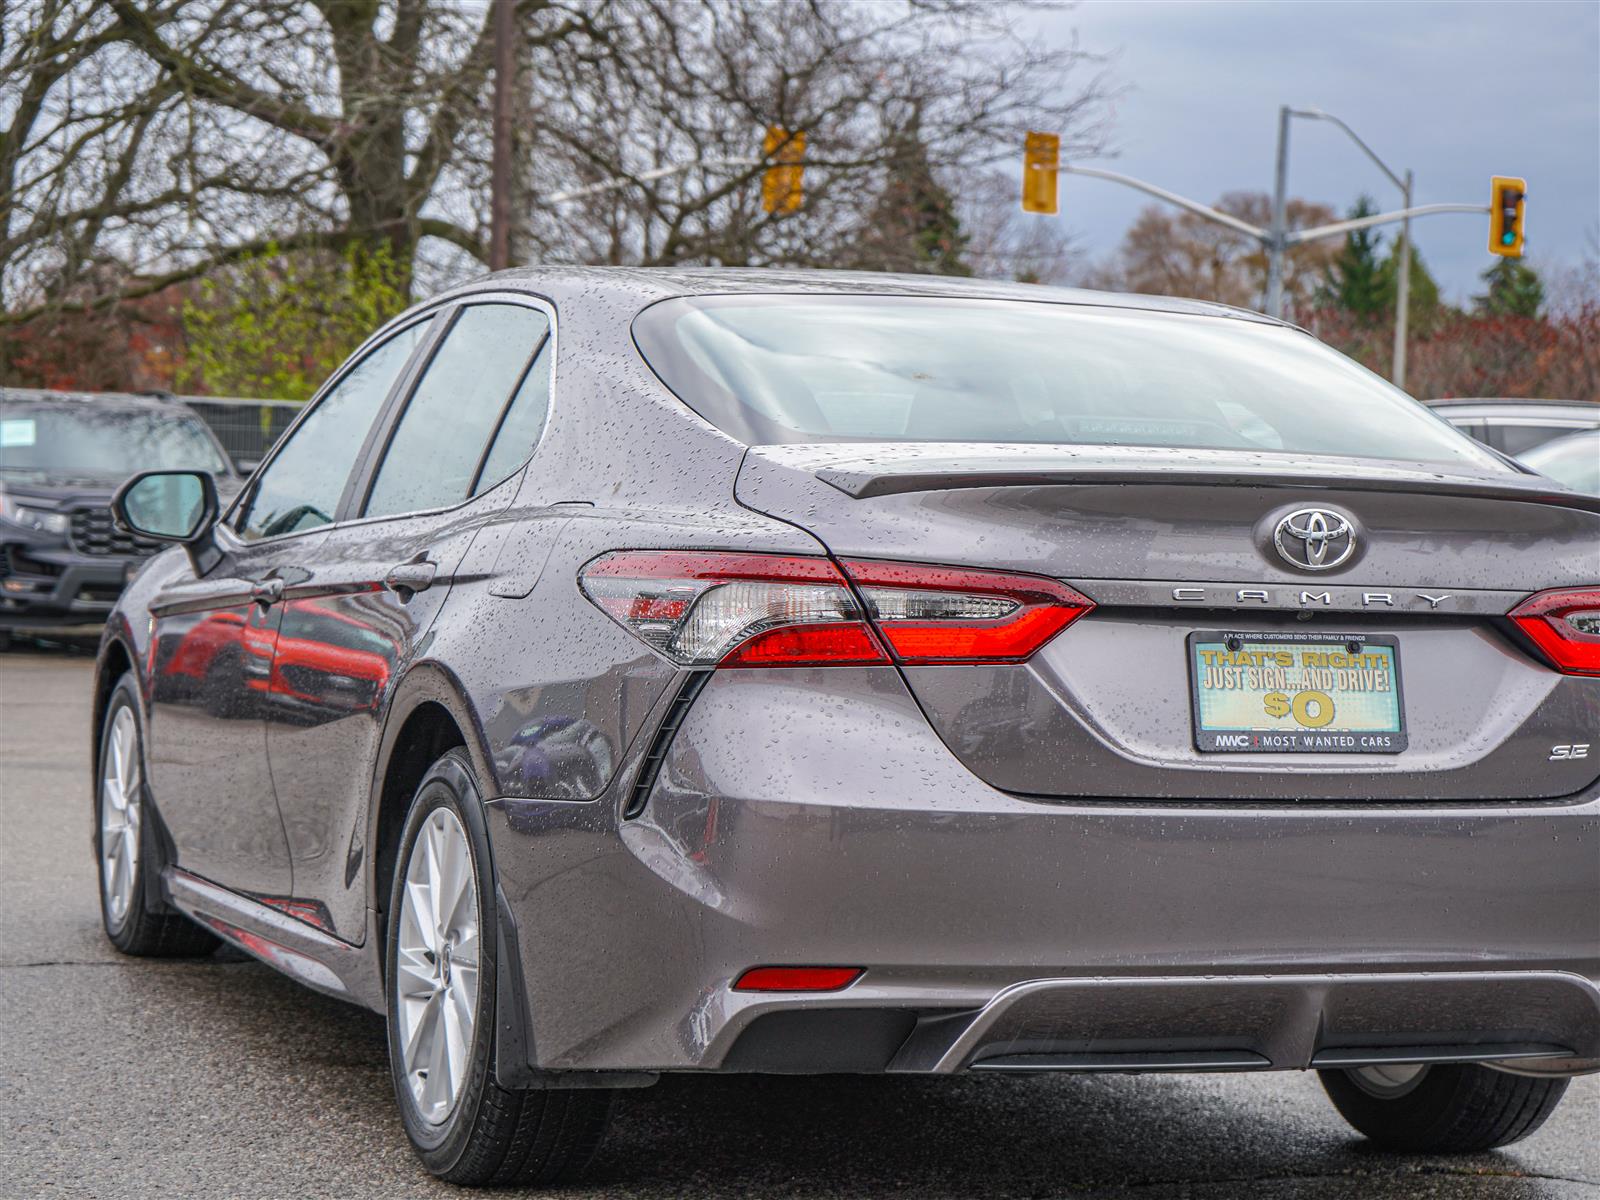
[[246, 428]]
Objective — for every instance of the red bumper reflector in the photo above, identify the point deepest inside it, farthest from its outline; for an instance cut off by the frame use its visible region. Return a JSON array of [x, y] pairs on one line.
[[797, 979]]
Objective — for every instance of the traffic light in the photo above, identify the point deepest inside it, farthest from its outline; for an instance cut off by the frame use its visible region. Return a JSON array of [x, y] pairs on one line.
[[1508, 204], [780, 185], [1041, 160]]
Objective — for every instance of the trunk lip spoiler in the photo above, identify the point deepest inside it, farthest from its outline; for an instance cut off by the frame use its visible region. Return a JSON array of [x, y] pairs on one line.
[[866, 470], [864, 485]]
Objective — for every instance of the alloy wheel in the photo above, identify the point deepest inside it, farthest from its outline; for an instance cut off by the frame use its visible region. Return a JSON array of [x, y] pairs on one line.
[[1389, 1081], [120, 816], [437, 965]]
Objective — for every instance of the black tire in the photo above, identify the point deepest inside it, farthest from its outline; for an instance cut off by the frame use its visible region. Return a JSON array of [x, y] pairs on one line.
[[147, 928], [492, 1136], [1457, 1108]]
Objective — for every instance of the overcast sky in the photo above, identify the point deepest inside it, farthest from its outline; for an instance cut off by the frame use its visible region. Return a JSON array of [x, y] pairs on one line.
[[1455, 91]]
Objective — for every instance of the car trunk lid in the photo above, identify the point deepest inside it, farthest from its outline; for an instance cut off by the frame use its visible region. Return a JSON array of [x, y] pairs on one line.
[[1174, 543]]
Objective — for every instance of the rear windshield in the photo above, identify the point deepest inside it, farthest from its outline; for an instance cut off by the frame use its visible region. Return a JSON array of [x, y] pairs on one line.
[[781, 369], [55, 439]]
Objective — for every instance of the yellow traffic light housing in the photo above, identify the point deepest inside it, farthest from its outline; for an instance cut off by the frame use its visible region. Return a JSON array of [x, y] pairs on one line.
[[780, 185], [1041, 163], [1508, 203]]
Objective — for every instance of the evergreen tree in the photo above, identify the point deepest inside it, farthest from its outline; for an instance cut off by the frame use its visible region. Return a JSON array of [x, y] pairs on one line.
[[1424, 298], [1515, 290], [1354, 281], [914, 226]]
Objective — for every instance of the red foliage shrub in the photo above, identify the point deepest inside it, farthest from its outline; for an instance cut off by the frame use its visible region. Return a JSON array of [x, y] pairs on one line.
[[132, 346], [1465, 355]]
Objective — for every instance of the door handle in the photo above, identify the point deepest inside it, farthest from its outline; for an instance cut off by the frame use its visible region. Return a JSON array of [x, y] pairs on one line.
[[267, 592], [407, 579]]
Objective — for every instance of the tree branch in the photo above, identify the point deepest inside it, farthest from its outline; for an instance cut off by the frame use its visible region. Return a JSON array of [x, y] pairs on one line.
[[229, 91]]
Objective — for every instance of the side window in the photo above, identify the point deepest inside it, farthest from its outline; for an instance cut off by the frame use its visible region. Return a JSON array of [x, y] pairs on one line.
[[435, 450], [300, 487], [1518, 439], [524, 422]]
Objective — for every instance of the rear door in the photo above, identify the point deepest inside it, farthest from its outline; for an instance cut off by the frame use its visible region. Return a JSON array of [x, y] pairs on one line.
[[440, 464]]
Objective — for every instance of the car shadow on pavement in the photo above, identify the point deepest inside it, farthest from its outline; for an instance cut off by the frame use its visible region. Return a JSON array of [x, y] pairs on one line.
[[324, 1063]]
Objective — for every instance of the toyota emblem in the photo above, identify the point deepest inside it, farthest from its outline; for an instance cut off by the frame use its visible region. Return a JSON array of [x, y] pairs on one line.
[[1315, 539]]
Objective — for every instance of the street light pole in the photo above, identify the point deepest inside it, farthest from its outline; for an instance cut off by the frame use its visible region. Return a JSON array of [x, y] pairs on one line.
[[1274, 241], [1402, 316], [1276, 246]]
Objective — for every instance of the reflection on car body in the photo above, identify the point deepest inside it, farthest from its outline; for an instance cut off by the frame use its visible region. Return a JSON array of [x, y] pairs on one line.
[[332, 660]]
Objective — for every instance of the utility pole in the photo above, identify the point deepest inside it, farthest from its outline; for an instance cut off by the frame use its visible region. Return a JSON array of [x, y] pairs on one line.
[[504, 17], [1280, 199]]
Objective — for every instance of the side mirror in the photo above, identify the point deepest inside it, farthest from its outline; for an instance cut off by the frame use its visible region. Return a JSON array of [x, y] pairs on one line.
[[171, 506]]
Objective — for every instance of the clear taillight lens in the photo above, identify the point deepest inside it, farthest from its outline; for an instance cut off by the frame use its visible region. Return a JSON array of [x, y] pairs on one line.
[[1565, 624], [734, 610], [750, 610]]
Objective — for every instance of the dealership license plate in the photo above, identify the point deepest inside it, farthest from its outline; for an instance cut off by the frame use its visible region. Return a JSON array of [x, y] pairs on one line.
[[1275, 693]]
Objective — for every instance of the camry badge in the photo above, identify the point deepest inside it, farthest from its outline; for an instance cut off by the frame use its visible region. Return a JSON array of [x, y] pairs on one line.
[[1315, 539]]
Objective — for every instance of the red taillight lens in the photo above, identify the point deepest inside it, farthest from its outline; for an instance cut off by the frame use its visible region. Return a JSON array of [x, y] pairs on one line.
[[958, 614], [734, 610], [797, 979], [1565, 624], [771, 610]]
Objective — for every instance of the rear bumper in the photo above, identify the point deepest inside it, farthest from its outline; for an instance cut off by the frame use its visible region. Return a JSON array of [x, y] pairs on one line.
[[812, 817]]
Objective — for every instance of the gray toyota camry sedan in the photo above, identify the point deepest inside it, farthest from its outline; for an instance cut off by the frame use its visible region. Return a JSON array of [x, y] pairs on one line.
[[621, 672]]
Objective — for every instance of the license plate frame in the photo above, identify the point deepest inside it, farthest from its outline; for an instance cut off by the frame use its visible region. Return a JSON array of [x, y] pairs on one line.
[[1286, 735]]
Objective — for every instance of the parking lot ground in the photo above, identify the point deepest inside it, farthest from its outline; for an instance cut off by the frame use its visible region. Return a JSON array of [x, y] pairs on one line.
[[121, 1078]]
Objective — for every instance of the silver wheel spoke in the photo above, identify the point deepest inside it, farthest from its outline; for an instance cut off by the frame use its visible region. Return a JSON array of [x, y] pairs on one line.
[[120, 816], [419, 925], [455, 1048], [438, 1081], [446, 888], [425, 1025], [434, 872], [464, 953], [417, 974], [436, 965]]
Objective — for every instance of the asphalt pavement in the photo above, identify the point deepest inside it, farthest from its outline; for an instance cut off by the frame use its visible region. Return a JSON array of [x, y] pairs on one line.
[[218, 1077]]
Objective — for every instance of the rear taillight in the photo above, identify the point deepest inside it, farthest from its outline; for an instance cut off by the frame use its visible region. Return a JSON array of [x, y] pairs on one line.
[[1565, 624], [956, 614], [769, 610], [733, 610]]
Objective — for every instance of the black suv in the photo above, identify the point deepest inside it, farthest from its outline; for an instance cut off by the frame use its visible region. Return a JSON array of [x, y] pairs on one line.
[[62, 561]]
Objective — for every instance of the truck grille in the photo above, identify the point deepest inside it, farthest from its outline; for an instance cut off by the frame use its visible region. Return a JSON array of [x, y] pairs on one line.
[[94, 532]]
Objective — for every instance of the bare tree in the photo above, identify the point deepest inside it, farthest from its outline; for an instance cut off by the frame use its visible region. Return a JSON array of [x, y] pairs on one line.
[[1181, 254], [678, 82], [147, 142], [153, 141]]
